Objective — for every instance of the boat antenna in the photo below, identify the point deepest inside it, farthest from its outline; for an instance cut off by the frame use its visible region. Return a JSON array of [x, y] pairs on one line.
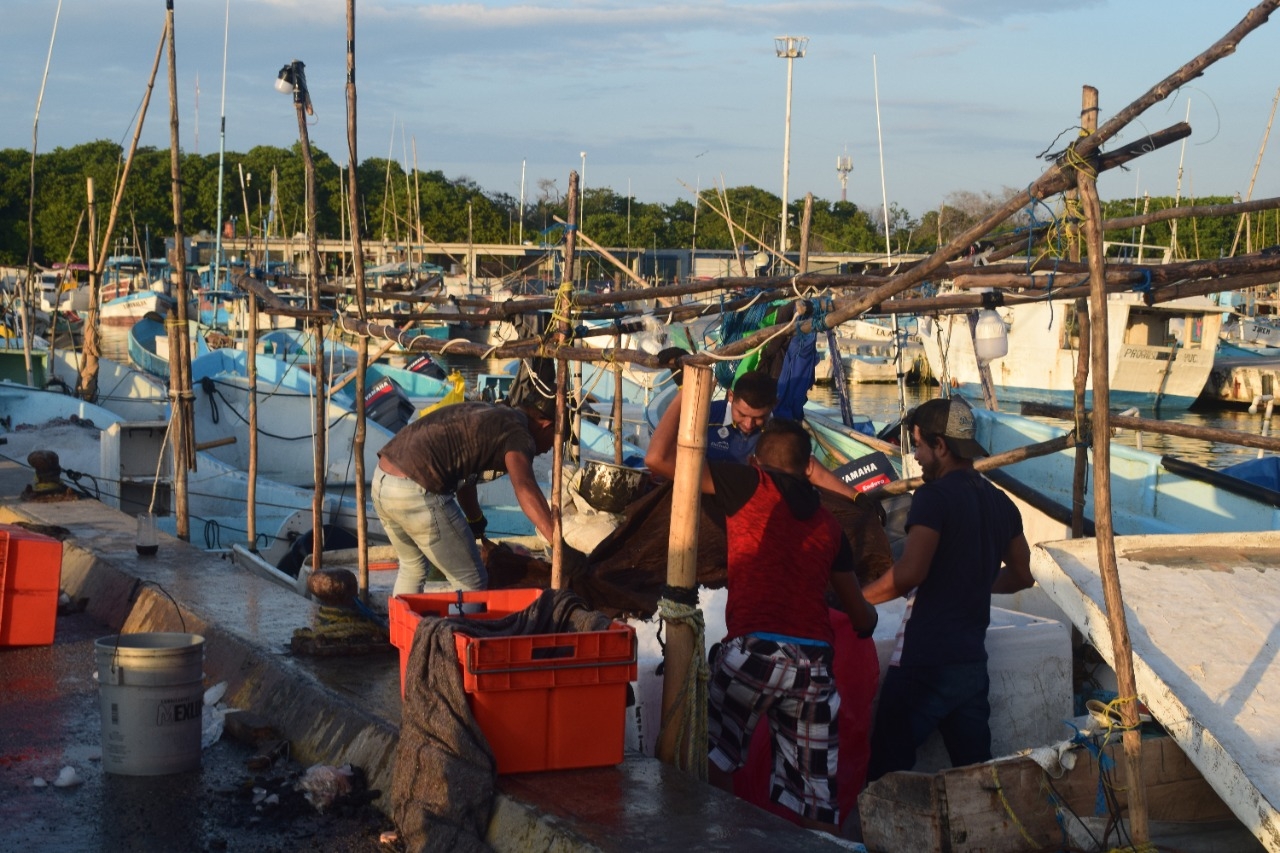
[[888, 259], [222, 152], [27, 308]]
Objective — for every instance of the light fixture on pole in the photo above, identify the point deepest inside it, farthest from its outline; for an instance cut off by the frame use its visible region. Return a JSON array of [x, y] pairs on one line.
[[990, 334], [789, 48], [292, 80]]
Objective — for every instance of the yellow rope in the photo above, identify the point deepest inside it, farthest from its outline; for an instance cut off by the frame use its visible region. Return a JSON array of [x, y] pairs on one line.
[[691, 743], [1115, 717], [1008, 809], [562, 311]]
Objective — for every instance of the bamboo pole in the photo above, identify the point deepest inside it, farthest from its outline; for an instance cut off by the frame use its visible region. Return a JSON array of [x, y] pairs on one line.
[[561, 313], [1088, 124], [1122, 649], [1253, 177], [617, 399], [682, 563], [180, 410], [1202, 433]]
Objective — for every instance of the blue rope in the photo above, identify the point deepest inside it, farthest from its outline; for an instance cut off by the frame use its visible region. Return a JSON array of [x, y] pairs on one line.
[[1144, 286], [839, 380], [733, 327]]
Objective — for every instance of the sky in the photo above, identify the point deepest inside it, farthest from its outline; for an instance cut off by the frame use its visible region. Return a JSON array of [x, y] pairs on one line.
[[659, 99]]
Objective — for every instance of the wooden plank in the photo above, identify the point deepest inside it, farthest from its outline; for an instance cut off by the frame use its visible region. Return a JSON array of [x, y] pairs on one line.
[[1007, 806]]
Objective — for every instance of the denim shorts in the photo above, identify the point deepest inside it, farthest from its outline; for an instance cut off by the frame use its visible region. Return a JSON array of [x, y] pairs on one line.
[[426, 529]]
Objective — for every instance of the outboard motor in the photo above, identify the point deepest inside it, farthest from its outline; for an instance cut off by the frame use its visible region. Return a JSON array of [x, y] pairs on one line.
[[386, 404], [427, 366]]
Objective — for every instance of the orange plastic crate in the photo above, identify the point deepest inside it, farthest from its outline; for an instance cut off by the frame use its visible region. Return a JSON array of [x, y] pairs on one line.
[[30, 575], [543, 701]]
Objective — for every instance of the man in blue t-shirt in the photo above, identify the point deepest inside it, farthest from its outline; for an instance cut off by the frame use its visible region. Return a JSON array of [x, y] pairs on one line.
[[734, 423], [964, 542]]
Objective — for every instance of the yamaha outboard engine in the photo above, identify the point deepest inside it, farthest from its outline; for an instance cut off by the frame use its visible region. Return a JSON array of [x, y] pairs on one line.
[[386, 404]]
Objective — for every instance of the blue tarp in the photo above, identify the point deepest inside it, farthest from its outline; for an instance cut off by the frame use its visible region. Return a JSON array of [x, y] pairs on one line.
[[1262, 472]]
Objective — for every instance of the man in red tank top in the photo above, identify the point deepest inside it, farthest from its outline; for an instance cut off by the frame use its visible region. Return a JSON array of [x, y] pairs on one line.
[[775, 662]]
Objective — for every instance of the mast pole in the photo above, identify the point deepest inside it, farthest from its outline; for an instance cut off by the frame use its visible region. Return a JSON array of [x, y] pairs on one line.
[[222, 150]]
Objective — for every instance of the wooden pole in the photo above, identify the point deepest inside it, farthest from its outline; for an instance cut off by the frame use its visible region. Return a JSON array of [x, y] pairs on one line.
[[608, 256], [87, 383], [362, 350], [1088, 124], [682, 560], [251, 360], [806, 225], [302, 106], [1122, 649], [89, 343], [986, 463], [180, 409]]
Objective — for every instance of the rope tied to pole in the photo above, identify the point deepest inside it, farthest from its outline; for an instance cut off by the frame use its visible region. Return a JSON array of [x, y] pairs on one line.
[[691, 744]]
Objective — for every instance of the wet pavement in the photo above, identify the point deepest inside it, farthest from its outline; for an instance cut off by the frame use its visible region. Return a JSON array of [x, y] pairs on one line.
[[49, 720], [331, 711]]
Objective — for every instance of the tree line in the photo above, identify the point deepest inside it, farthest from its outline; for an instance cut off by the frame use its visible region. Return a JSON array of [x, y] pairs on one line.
[[263, 192]]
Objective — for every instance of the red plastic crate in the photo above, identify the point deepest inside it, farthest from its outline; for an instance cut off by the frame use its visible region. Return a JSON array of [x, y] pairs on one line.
[[30, 576], [543, 701]]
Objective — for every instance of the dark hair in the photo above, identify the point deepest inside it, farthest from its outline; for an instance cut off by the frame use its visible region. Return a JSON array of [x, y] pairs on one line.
[[535, 401], [784, 444], [757, 389]]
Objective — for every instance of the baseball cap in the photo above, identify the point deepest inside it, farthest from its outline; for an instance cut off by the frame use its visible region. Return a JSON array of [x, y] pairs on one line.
[[952, 418]]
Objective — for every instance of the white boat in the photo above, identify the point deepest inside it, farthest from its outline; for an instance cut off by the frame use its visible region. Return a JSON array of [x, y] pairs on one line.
[[1200, 613], [1159, 356], [286, 401], [129, 465], [129, 393], [131, 307], [1252, 331], [1149, 493]]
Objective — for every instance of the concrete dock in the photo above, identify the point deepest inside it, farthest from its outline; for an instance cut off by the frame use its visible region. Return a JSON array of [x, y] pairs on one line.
[[347, 710]]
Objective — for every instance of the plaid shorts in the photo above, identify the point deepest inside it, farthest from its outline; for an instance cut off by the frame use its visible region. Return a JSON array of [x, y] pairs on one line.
[[792, 685]]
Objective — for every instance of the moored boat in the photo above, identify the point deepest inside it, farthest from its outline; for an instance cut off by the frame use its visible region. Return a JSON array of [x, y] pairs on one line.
[[1159, 356]]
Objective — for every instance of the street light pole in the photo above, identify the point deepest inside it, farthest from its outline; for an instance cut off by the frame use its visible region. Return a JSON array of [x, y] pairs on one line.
[[790, 48], [292, 80]]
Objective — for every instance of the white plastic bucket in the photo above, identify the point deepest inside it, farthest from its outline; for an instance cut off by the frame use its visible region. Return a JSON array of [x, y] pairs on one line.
[[151, 692]]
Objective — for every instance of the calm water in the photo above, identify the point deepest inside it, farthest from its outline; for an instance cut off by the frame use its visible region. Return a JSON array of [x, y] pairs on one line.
[[882, 404]]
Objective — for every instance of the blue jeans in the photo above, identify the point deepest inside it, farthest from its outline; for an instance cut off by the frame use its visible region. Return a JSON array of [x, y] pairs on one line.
[[426, 529], [915, 700]]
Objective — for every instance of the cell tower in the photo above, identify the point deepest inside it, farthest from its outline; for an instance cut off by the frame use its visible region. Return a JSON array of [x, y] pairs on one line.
[[844, 165]]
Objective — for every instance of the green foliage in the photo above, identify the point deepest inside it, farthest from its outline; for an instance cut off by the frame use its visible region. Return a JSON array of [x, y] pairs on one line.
[[399, 205]]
